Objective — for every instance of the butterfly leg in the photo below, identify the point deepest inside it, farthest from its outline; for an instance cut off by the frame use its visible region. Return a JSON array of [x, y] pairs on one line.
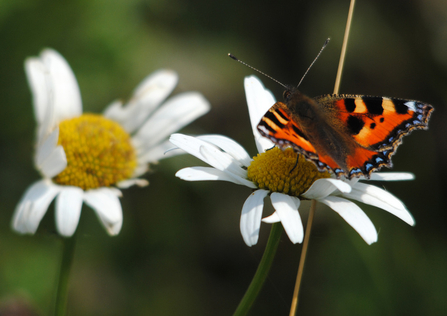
[[296, 164]]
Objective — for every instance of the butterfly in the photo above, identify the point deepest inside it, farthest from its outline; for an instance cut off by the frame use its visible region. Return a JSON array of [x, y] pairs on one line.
[[349, 135]]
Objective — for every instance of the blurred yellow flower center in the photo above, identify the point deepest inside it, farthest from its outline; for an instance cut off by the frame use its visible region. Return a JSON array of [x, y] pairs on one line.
[[272, 171], [99, 152]]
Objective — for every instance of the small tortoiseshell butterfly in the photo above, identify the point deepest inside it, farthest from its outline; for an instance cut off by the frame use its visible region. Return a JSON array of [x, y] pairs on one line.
[[350, 135]]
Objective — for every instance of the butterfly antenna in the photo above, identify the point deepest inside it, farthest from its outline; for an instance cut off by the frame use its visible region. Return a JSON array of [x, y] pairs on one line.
[[321, 50], [251, 67]]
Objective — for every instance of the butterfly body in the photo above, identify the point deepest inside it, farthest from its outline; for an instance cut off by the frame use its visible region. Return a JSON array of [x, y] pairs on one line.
[[350, 135]]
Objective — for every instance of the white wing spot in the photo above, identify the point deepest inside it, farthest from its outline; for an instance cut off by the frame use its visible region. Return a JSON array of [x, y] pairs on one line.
[[263, 129], [411, 105]]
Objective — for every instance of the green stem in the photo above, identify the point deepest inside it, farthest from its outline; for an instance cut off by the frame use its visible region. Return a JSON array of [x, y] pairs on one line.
[[64, 274], [261, 273]]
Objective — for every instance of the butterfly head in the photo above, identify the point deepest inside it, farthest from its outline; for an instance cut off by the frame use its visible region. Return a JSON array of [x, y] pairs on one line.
[[290, 92]]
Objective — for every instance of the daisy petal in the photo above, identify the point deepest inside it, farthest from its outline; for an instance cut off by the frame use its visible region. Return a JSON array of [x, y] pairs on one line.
[[391, 176], [131, 182], [46, 147], [116, 112], [287, 209], [210, 154], [162, 81], [67, 96], [63, 91], [37, 80], [229, 146], [354, 216], [50, 159], [68, 210], [172, 116], [251, 217], [323, 187], [189, 144], [55, 163], [259, 101], [159, 152], [108, 208], [115, 191], [274, 218], [375, 196], [212, 174], [222, 161], [146, 97], [203, 174], [141, 169], [33, 206]]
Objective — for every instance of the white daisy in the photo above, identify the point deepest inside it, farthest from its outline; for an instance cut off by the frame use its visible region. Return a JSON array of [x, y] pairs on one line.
[[87, 157], [270, 174]]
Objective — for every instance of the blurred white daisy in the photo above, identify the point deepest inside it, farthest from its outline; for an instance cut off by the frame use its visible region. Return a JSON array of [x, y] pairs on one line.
[[87, 157], [269, 173]]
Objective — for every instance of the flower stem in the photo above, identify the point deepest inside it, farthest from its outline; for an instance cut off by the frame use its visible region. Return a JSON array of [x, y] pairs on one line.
[[64, 273], [299, 276], [261, 273]]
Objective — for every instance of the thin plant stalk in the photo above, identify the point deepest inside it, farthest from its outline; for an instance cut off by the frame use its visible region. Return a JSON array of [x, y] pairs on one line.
[[296, 291], [262, 272], [68, 248], [344, 47], [302, 258]]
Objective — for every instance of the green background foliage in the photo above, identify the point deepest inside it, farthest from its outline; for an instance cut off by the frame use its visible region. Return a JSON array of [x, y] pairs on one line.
[[180, 251]]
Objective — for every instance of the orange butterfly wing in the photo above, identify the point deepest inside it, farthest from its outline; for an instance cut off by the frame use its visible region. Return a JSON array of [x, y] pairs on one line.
[[278, 125], [378, 123], [371, 128]]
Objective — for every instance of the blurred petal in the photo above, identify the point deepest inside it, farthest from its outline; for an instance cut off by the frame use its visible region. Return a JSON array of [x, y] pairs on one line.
[[354, 216], [323, 187], [56, 94], [65, 89], [209, 174], [107, 206], [391, 176], [115, 111], [131, 182], [68, 210], [63, 95], [229, 146], [155, 85], [54, 164], [141, 169], [146, 97], [50, 159], [287, 209], [259, 101], [38, 81], [158, 152], [174, 114], [46, 147], [375, 196], [251, 217], [33, 206], [117, 192]]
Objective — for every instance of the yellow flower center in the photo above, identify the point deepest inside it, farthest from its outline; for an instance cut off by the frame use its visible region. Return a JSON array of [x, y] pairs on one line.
[[99, 152], [275, 171]]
